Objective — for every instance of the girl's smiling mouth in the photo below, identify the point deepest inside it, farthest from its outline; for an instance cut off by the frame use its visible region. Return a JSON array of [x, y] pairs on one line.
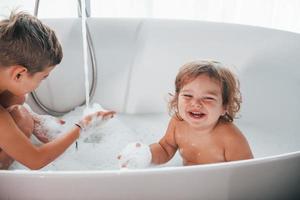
[[196, 114]]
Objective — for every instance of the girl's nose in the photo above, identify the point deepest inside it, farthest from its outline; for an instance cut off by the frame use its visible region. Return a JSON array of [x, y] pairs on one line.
[[197, 103]]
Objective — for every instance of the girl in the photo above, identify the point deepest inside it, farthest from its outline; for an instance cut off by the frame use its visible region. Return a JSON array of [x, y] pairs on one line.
[[205, 103]]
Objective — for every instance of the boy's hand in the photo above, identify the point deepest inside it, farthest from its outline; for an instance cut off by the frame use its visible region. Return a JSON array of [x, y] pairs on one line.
[[94, 120], [135, 155], [22, 118]]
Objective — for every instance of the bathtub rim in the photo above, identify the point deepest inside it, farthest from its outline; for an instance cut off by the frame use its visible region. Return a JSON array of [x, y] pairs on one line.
[[204, 167]]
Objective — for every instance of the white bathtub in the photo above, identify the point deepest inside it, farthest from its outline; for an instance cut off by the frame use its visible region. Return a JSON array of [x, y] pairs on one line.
[[137, 60]]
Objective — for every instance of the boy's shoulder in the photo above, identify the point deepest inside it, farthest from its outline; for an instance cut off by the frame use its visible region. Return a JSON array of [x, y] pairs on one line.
[[4, 118], [3, 113]]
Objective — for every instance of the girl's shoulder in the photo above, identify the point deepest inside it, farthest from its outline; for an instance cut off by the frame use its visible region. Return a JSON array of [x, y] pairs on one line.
[[230, 135], [175, 119], [176, 122], [228, 130]]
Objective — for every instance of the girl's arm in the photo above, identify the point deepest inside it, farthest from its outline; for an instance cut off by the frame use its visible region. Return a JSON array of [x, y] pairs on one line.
[[166, 148]]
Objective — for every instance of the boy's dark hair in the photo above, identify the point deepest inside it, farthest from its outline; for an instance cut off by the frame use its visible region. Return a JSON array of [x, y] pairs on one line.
[[229, 84], [26, 41]]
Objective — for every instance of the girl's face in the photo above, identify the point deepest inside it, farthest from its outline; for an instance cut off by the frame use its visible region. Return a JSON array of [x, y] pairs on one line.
[[200, 102], [28, 82]]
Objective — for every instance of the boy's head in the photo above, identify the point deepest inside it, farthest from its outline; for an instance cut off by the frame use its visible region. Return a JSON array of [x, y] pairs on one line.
[[229, 85], [26, 41]]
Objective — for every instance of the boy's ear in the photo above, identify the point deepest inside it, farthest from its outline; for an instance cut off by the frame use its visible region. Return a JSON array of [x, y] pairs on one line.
[[18, 72]]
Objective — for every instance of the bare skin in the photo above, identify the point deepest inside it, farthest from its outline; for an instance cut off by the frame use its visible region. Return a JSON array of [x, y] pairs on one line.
[[16, 144], [14, 132], [21, 117], [199, 136], [16, 129], [224, 143], [7, 99]]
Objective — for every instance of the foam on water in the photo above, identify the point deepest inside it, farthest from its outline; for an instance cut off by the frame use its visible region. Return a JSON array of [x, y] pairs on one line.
[[97, 152]]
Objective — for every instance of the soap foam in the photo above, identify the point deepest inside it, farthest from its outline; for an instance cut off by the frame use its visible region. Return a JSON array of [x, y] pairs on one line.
[[135, 155], [97, 152], [100, 150], [48, 126]]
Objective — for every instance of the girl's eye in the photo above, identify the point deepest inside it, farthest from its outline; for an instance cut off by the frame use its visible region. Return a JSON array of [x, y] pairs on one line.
[[209, 98], [187, 95]]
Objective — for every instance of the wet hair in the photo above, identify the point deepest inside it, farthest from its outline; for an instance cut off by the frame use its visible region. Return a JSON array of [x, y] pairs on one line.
[[231, 96], [26, 41]]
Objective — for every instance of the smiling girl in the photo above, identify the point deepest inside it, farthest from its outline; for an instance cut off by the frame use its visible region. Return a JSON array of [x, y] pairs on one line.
[[206, 100]]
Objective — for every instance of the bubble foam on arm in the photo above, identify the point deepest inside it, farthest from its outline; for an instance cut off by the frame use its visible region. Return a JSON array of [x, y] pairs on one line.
[[46, 127]]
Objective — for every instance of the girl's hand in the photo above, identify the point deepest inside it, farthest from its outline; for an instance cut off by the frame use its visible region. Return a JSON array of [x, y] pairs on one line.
[[22, 118], [135, 155]]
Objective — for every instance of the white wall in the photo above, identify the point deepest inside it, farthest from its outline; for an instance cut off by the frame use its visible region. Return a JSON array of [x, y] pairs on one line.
[[278, 14]]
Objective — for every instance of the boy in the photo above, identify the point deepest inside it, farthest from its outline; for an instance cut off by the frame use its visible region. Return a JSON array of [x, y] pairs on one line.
[[29, 51]]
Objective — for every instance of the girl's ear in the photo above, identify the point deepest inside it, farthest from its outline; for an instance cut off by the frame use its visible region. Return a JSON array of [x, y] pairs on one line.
[[18, 72], [224, 110]]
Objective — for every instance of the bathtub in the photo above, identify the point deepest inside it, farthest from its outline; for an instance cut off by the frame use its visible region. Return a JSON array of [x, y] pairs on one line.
[[137, 61]]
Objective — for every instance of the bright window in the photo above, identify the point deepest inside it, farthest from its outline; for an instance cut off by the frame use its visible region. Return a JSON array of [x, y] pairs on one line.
[[278, 14]]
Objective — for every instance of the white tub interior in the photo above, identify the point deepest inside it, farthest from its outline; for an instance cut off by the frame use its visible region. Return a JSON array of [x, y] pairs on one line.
[[137, 61]]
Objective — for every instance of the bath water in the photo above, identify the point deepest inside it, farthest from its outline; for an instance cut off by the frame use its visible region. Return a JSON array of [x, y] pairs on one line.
[[100, 150]]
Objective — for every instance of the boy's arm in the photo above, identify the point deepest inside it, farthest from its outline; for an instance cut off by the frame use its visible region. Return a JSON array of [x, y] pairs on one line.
[[18, 146], [25, 124], [5, 160], [166, 148], [22, 118], [236, 145], [12, 103]]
